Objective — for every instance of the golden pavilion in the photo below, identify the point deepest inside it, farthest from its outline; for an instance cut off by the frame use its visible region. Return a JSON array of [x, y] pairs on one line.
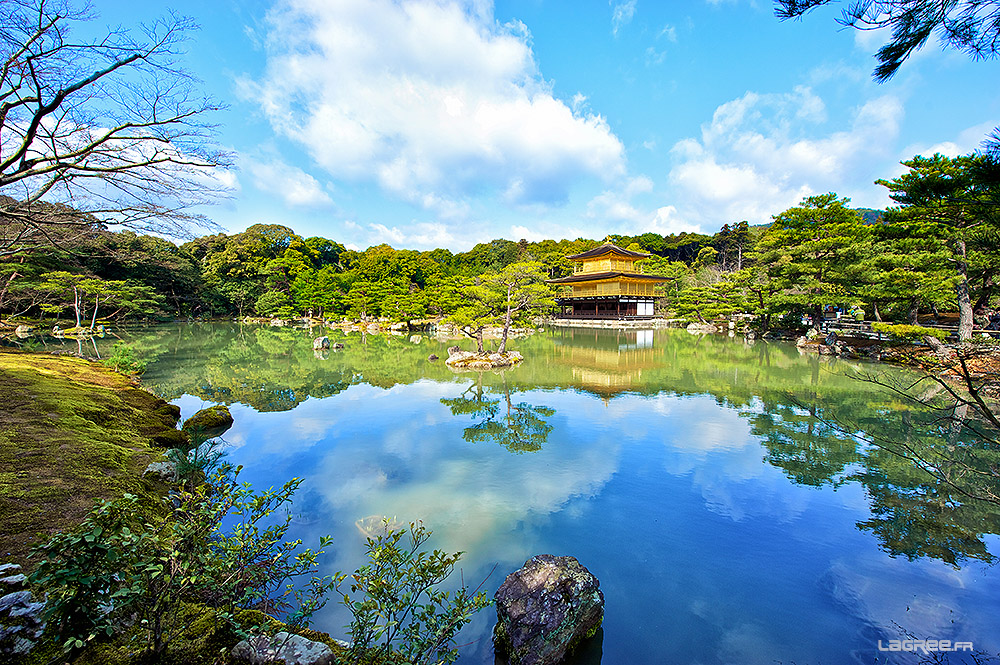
[[606, 284]]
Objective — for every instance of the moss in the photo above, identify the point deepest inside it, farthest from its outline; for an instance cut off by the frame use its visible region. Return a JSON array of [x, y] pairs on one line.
[[210, 422], [501, 640], [71, 432], [593, 631]]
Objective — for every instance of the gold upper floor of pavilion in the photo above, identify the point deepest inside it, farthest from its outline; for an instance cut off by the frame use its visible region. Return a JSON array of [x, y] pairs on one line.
[[609, 270]]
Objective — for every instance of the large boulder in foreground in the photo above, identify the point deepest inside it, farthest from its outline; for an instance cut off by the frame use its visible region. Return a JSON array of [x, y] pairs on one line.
[[545, 609], [211, 422]]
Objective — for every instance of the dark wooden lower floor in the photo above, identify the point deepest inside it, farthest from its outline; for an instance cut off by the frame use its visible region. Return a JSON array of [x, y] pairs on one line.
[[605, 307]]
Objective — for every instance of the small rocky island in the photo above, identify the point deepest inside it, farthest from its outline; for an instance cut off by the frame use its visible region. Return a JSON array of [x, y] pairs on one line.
[[458, 359]]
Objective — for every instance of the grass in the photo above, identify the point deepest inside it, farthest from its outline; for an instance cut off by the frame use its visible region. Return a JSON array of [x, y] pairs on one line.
[[71, 432]]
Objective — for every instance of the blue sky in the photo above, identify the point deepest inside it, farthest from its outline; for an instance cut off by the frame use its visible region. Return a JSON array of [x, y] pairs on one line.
[[431, 123]]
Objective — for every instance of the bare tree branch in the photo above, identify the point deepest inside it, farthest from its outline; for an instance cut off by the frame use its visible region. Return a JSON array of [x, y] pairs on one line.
[[112, 128]]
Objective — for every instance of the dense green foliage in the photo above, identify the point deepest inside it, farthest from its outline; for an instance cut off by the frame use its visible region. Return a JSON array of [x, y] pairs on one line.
[[937, 250], [123, 359], [907, 332]]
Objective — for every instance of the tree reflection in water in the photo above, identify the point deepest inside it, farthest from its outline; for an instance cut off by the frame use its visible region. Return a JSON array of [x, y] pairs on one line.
[[923, 474], [519, 427]]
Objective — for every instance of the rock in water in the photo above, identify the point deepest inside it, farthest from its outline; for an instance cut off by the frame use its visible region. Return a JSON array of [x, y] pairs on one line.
[[698, 328], [545, 609], [290, 649], [321, 343], [210, 422]]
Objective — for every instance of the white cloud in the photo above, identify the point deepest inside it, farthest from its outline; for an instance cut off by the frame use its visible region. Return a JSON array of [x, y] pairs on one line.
[[519, 232], [432, 100], [654, 57], [966, 142], [615, 209], [667, 222], [418, 235], [292, 184], [621, 15], [762, 153]]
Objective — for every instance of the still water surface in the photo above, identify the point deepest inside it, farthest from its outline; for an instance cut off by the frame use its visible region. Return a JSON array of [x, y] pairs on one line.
[[695, 476]]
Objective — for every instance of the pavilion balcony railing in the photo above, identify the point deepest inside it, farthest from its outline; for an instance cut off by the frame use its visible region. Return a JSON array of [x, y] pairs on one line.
[[612, 290]]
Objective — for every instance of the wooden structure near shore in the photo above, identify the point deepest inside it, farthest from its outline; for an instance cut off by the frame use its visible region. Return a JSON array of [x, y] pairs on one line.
[[863, 329], [607, 285]]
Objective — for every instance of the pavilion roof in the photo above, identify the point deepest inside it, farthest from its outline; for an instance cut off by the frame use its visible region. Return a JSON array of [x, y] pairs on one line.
[[609, 248]]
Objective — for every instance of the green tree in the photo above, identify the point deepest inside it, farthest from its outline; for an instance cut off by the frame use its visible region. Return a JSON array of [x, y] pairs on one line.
[[908, 267], [68, 290], [64, 288], [315, 290], [479, 308], [971, 26], [757, 293], [362, 300], [814, 254], [732, 243], [273, 303], [706, 302], [403, 302], [953, 198], [521, 294]]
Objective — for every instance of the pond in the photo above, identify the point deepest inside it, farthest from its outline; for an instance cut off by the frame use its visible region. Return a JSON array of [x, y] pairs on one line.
[[700, 478]]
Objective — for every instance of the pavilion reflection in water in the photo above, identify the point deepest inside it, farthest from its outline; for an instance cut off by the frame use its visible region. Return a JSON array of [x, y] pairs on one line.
[[607, 362]]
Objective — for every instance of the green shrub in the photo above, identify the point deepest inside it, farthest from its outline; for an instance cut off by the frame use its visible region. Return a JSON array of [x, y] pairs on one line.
[[116, 566], [123, 359], [273, 303], [908, 333], [118, 569], [78, 573]]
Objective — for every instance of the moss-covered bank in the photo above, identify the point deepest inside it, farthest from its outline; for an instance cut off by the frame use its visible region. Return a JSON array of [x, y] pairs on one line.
[[71, 432]]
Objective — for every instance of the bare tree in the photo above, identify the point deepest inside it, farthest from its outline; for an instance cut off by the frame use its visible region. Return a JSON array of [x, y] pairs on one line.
[[108, 130]]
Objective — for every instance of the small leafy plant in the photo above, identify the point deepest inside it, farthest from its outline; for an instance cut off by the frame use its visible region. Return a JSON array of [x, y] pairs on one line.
[[118, 569], [398, 609]]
